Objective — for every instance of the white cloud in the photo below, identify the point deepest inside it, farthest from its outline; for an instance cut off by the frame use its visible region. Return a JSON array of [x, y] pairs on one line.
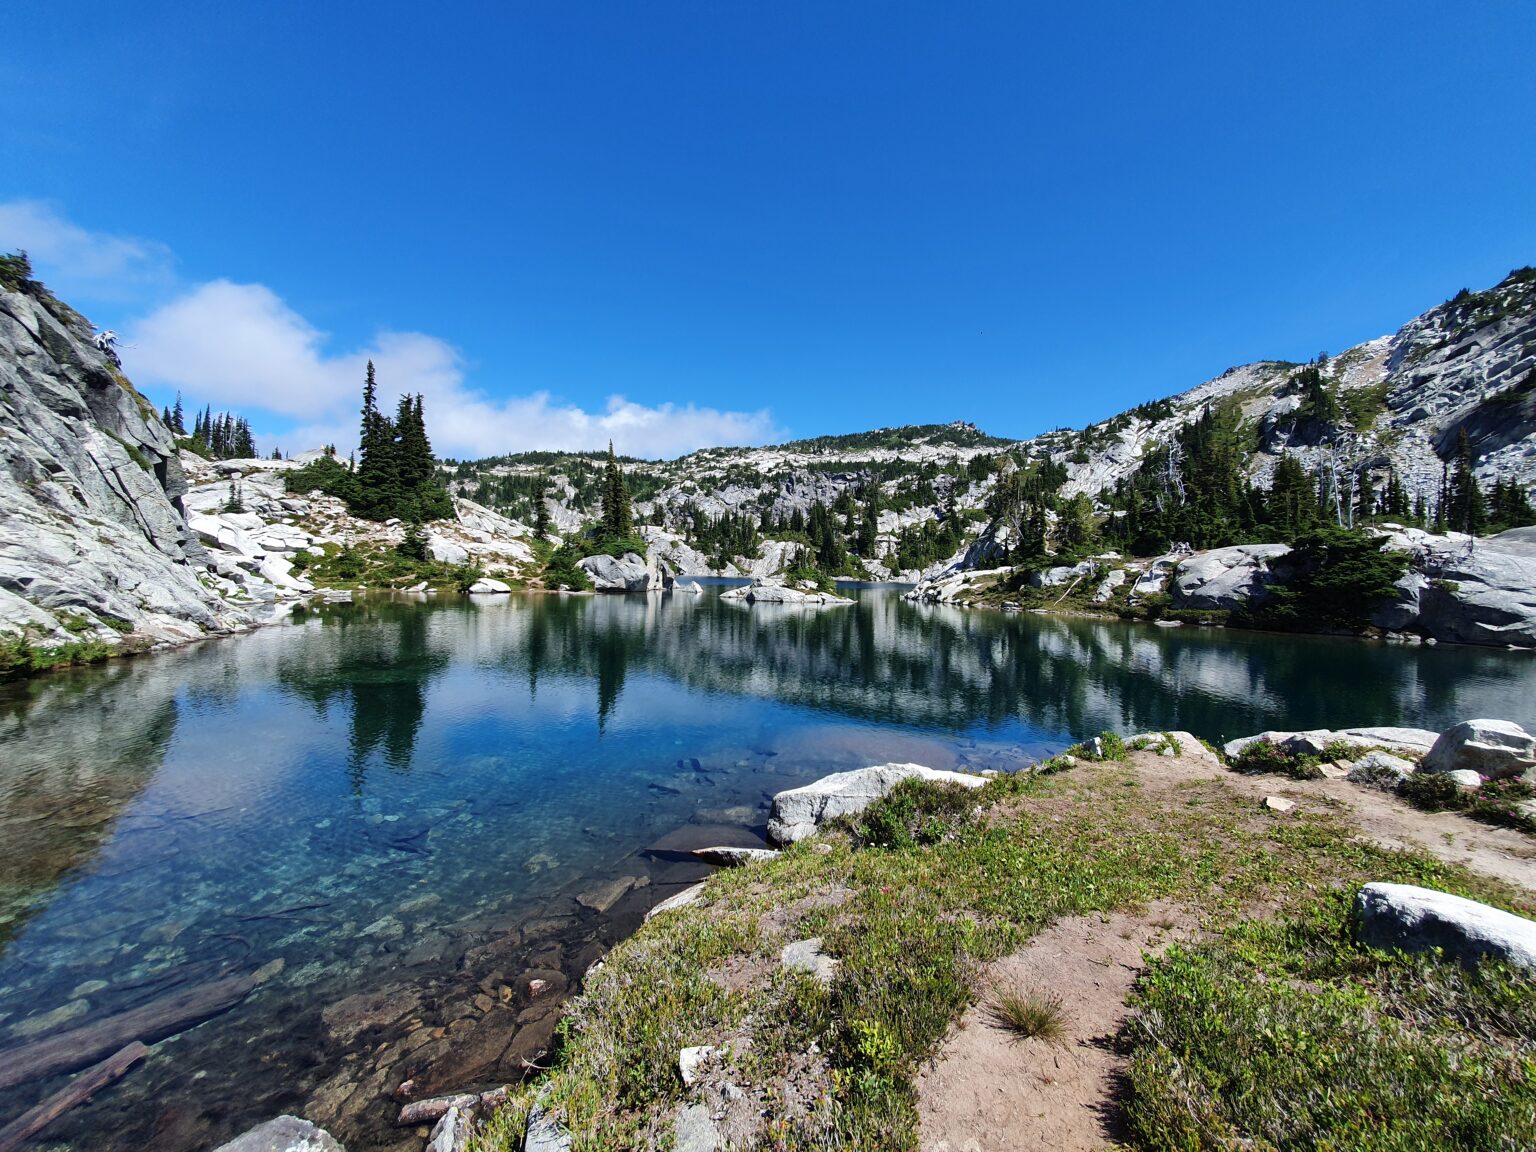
[[76, 262], [241, 346]]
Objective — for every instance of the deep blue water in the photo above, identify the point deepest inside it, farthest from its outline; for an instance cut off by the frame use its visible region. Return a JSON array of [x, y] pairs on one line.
[[370, 792]]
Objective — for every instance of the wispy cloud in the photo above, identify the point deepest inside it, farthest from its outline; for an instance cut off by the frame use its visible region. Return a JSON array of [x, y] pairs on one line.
[[242, 346], [81, 263]]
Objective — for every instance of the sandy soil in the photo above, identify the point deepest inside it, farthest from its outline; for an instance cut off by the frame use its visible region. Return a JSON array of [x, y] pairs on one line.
[[989, 1091]]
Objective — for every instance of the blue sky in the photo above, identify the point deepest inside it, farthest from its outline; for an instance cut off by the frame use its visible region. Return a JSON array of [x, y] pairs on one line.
[[678, 224]]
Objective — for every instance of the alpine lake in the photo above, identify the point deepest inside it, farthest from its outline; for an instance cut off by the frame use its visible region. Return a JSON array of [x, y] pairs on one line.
[[381, 842]]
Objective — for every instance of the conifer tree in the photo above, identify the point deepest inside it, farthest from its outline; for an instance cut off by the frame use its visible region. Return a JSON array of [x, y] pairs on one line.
[[541, 523], [178, 419], [618, 512]]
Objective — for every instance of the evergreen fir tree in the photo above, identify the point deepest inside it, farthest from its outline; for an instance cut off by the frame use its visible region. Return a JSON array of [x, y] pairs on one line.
[[1365, 496], [178, 418], [541, 523], [617, 511], [1467, 513]]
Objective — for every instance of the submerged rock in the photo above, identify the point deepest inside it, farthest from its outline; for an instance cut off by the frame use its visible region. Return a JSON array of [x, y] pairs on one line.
[[284, 1134], [1418, 919], [799, 811]]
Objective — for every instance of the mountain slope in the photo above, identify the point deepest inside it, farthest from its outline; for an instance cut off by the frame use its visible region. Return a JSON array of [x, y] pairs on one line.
[[1392, 407]]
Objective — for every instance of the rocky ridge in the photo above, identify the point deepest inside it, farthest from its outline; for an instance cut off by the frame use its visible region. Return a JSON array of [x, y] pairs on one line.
[[1468, 364]]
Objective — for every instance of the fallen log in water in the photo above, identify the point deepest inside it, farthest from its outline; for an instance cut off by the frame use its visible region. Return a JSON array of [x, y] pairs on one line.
[[77, 1091], [77, 1047]]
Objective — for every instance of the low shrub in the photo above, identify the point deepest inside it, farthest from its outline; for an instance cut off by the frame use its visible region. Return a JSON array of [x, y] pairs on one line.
[[914, 812]]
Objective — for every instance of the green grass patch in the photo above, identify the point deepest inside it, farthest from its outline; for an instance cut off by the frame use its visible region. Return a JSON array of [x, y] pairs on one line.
[[384, 566], [21, 657], [1289, 1035]]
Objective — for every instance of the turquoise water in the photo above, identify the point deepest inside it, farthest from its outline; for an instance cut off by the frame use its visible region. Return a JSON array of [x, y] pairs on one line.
[[409, 795]]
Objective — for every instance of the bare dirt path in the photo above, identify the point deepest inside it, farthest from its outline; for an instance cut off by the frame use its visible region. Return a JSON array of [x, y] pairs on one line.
[[989, 1091]]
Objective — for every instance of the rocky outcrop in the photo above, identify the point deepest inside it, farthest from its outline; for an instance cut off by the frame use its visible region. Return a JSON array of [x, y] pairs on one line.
[[1465, 591], [1494, 749], [1410, 741], [1224, 578], [1413, 919], [781, 594], [93, 543], [628, 573], [798, 812]]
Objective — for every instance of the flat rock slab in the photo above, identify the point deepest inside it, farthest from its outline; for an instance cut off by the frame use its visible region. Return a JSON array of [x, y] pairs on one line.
[[284, 1134], [1408, 741], [604, 896], [723, 857], [695, 1131], [690, 895], [1417, 919], [799, 811]]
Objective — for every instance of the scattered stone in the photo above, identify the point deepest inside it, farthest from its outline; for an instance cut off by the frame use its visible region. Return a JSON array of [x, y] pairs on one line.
[[1380, 768], [694, 1131], [799, 811], [284, 1134], [1337, 770], [430, 1111], [690, 895], [1278, 804], [1496, 749], [689, 1060], [724, 857], [807, 956], [1464, 778], [453, 1131], [544, 1134], [1416, 919]]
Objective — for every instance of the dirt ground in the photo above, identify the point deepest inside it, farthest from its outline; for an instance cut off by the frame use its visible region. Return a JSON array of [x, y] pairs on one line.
[[990, 1091]]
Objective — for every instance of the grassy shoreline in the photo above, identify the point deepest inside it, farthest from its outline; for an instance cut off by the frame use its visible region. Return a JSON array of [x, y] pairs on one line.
[[916, 898]]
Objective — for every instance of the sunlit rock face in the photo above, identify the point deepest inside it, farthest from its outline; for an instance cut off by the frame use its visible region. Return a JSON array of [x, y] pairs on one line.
[[93, 543]]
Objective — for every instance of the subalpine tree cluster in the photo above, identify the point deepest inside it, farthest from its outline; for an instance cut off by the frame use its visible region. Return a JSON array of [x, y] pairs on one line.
[[221, 436], [397, 475]]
